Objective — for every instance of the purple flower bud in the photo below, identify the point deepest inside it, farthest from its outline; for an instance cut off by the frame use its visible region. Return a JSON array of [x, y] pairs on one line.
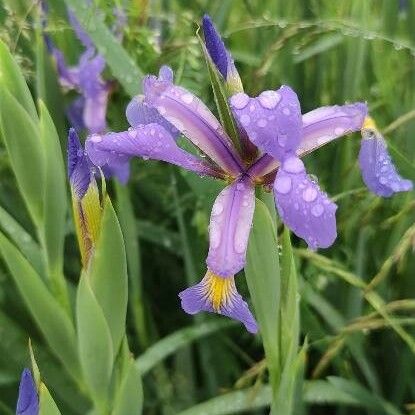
[[28, 400]]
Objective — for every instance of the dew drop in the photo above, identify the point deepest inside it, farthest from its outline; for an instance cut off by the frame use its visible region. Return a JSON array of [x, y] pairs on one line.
[[245, 120], [339, 131], [187, 98], [286, 111], [217, 209], [262, 123], [309, 194], [269, 99], [240, 101], [317, 210], [96, 138], [282, 140], [283, 185], [293, 165], [132, 133], [214, 237]]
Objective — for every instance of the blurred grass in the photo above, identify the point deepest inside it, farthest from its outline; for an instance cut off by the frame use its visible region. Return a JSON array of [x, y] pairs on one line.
[[330, 52]]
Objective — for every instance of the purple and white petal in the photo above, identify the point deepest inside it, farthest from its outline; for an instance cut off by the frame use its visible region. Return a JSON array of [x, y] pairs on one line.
[[230, 225], [303, 207], [219, 295], [139, 113], [325, 124], [28, 400], [220, 55], [95, 111], [150, 141], [272, 120], [79, 166], [377, 168], [191, 116]]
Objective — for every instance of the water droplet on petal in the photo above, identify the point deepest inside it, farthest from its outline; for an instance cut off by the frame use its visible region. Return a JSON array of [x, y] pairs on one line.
[[214, 237], [309, 194], [240, 101], [282, 139], [286, 111], [269, 99], [245, 120], [283, 185], [132, 133], [262, 123], [317, 210], [339, 131], [293, 165], [95, 138], [187, 98], [217, 209]]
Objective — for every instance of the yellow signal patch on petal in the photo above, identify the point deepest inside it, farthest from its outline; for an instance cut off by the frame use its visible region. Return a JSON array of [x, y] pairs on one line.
[[218, 290], [369, 123]]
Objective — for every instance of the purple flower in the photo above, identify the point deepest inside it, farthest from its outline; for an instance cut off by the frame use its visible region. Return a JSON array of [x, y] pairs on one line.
[[28, 400], [274, 124], [89, 110]]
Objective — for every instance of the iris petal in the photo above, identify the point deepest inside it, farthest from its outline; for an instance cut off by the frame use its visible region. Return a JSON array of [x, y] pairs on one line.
[[272, 120], [139, 113], [303, 207], [191, 116], [230, 225], [377, 168], [216, 294], [150, 141], [325, 124]]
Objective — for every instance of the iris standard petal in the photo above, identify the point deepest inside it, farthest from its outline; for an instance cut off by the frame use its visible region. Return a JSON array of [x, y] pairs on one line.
[[191, 116], [325, 124], [219, 295], [28, 400], [220, 55], [272, 120], [230, 225], [139, 113], [150, 141], [377, 168], [303, 207]]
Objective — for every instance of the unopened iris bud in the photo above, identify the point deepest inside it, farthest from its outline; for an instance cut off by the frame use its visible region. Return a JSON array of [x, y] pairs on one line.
[[28, 400], [85, 197], [221, 57]]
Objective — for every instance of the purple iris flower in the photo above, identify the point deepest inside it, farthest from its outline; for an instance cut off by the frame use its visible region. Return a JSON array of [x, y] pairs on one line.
[[89, 110], [274, 124], [28, 400]]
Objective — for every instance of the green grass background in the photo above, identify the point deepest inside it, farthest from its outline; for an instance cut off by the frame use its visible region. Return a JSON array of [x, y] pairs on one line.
[[359, 361]]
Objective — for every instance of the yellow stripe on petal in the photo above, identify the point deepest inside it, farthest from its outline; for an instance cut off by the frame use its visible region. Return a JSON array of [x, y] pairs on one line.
[[218, 290]]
